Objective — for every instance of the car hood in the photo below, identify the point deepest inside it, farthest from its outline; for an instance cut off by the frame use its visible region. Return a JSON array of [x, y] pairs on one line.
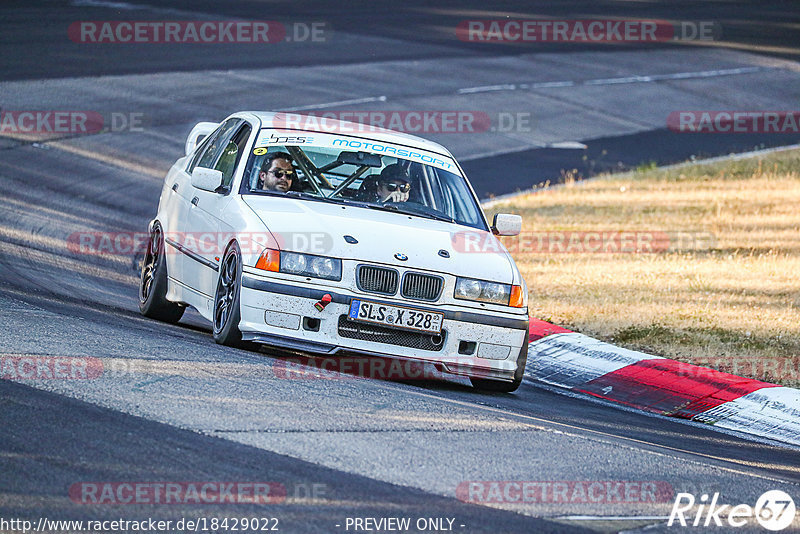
[[320, 228]]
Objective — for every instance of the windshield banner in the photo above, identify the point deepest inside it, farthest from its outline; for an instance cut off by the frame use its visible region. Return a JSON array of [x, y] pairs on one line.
[[270, 137]]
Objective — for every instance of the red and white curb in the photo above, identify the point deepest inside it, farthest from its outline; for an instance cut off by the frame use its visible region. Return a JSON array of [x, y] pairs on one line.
[[570, 360]]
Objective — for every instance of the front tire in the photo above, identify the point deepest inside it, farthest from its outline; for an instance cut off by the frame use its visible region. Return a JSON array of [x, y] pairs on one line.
[[227, 310], [153, 301], [498, 386]]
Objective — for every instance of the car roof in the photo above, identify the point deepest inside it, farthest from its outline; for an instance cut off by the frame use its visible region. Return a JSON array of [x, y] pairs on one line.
[[374, 133]]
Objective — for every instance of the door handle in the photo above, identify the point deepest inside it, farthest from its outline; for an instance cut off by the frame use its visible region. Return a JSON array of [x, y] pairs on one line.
[[175, 186], [195, 200]]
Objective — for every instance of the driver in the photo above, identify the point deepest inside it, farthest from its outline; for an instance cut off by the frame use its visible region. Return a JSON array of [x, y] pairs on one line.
[[393, 184], [276, 173]]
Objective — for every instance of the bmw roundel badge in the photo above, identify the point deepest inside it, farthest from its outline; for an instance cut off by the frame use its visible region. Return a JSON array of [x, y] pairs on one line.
[[400, 256]]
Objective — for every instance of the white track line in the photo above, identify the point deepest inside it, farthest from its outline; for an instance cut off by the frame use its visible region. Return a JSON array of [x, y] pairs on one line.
[[365, 100], [649, 78], [613, 517]]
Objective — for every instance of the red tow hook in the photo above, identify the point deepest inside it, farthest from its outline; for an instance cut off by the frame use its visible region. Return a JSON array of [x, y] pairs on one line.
[[324, 301]]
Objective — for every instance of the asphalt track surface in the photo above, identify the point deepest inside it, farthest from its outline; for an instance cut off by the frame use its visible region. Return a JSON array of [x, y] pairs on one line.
[[173, 406]]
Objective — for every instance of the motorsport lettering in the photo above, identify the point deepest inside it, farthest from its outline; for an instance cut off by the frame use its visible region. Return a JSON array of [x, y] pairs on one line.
[[399, 152]]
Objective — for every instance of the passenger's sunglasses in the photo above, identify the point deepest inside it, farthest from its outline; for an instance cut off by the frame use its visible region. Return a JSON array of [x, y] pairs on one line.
[[403, 188], [280, 173]]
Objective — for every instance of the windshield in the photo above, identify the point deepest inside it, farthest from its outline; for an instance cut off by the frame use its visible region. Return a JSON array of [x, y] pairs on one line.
[[362, 177]]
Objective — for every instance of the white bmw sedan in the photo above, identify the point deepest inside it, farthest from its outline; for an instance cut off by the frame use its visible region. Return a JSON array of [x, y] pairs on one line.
[[342, 239]]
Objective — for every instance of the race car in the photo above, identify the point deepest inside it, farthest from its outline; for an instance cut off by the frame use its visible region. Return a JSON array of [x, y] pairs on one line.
[[337, 238]]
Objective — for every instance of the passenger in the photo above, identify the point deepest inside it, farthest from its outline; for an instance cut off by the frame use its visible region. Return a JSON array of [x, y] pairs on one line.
[[276, 173], [394, 184]]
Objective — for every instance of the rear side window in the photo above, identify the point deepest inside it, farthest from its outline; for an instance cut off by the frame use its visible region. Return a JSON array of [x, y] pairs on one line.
[[230, 156], [211, 148]]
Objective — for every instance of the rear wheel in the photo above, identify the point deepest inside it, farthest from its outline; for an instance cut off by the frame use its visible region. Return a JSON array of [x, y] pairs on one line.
[[153, 302], [227, 310], [487, 384]]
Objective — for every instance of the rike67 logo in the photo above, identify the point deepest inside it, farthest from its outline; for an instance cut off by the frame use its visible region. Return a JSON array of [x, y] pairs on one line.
[[774, 510]]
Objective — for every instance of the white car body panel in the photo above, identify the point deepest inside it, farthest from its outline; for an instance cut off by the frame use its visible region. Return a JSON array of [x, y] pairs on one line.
[[378, 237], [273, 304]]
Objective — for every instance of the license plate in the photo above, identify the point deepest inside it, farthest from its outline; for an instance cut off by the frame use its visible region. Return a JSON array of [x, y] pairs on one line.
[[365, 311]]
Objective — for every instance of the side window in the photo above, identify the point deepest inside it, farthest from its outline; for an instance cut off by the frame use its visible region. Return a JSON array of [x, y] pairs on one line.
[[433, 186], [201, 147], [232, 154], [211, 150]]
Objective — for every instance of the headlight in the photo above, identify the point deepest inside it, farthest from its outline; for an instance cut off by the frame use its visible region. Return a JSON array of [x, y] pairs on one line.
[[496, 292], [293, 263], [493, 292], [326, 268], [468, 289], [300, 264]]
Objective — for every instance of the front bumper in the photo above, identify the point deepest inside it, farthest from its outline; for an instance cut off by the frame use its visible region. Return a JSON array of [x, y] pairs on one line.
[[279, 313]]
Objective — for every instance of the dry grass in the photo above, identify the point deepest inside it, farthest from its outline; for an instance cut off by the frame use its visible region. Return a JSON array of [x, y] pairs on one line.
[[732, 302]]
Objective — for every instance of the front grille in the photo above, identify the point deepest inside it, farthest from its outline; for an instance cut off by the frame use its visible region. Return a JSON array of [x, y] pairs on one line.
[[421, 286], [390, 336], [377, 279]]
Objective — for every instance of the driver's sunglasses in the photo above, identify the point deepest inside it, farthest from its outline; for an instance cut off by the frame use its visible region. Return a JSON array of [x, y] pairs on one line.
[[403, 188], [280, 173]]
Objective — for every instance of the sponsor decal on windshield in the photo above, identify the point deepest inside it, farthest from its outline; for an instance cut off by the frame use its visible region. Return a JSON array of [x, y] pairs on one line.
[[280, 138], [390, 150], [283, 140]]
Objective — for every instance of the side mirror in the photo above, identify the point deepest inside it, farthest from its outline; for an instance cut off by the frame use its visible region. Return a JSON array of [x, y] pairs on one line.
[[206, 179], [198, 133], [506, 224]]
